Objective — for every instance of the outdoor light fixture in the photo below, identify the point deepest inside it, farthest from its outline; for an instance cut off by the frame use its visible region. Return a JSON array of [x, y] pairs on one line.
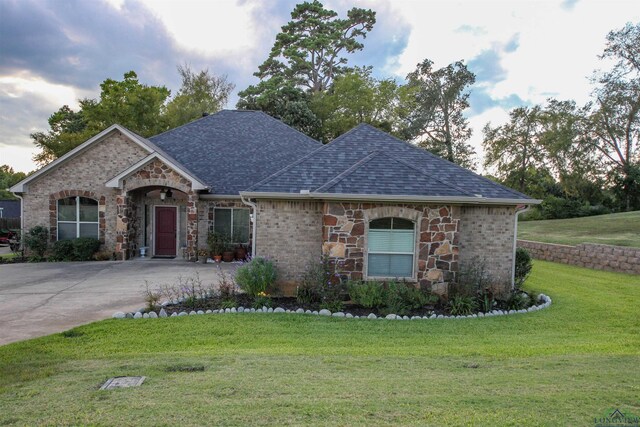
[[163, 194]]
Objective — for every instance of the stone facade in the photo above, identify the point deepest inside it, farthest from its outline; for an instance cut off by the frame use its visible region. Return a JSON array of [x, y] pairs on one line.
[[290, 234], [346, 226], [486, 235], [84, 174], [600, 257]]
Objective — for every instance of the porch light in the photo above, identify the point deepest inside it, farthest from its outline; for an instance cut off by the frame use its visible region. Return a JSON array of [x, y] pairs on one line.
[[163, 194]]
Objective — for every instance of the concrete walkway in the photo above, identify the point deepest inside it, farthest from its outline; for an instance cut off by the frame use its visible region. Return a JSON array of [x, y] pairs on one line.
[[45, 298]]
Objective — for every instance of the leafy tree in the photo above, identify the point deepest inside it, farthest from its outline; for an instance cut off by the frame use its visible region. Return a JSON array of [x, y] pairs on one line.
[[614, 123], [8, 178], [307, 56], [437, 122], [307, 52], [129, 103], [140, 108], [200, 93], [357, 97], [515, 150], [284, 101]]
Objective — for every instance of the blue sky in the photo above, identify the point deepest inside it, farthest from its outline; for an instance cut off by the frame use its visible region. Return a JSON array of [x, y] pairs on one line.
[[54, 52]]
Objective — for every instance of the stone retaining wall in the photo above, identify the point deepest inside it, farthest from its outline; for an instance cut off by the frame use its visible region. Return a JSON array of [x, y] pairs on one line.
[[600, 257]]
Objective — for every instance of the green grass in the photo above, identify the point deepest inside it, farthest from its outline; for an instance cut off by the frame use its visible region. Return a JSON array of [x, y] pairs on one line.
[[561, 366], [10, 255], [621, 229]]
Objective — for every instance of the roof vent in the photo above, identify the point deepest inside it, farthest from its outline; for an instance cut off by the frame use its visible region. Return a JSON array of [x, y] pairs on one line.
[[304, 191], [478, 195]]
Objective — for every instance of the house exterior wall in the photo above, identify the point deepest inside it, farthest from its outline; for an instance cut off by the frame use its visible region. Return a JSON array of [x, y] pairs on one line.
[[345, 231], [83, 175], [487, 235], [290, 234]]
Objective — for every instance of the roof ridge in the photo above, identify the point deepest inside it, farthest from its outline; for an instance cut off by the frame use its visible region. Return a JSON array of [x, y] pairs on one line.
[[422, 172], [284, 169], [342, 175], [413, 146], [282, 123], [188, 123]]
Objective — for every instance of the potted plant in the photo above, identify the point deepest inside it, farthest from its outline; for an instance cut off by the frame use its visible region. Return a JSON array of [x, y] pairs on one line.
[[216, 244], [228, 253], [203, 254], [241, 252]]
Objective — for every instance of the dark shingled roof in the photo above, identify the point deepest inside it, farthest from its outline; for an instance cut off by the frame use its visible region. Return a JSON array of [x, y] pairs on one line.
[[366, 160], [10, 208], [233, 149]]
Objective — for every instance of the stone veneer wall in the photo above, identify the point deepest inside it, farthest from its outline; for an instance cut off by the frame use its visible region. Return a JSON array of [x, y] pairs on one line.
[[600, 257], [346, 225], [486, 234], [290, 234], [87, 172]]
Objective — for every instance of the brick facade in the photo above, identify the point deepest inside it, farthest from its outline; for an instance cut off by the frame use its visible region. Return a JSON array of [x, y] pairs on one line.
[[486, 235], [600, 257], [290, 234], [85, 173]]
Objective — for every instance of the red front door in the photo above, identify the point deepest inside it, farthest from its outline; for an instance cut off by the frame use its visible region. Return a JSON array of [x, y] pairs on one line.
[[165, 231]]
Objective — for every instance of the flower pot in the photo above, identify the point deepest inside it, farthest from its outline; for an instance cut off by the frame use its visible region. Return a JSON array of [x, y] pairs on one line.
[[217, 258], [202, 259], [241, 253], [227, 256]]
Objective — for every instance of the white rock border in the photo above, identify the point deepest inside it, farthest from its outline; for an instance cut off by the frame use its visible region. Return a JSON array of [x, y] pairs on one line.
[[140, 314]]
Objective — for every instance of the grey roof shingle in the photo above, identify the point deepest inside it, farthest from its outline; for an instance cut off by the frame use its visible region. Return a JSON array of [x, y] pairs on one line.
[[233, 149], [366, 160]]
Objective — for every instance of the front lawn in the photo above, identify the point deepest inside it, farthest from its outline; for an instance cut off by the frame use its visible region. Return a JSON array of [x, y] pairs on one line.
[[561, 366], [613, 229]]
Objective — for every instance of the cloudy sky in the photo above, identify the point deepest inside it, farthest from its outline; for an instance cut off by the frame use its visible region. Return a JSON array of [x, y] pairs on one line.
[[54, 52]]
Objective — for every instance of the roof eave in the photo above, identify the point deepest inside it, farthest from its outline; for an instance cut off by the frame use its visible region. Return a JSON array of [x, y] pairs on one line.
[[390, 198]]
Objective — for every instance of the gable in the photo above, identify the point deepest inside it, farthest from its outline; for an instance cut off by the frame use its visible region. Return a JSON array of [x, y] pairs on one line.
[[91, 164]]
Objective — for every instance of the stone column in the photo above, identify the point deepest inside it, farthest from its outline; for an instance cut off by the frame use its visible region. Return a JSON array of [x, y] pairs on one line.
[[122, 226], [192, 225]]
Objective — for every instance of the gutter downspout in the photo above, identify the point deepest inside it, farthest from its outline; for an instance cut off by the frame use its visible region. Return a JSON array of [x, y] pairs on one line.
[[21, 221], [515, 243], [254, 223]]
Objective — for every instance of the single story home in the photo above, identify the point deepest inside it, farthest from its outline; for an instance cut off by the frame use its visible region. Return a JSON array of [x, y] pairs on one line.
[[377, 206]]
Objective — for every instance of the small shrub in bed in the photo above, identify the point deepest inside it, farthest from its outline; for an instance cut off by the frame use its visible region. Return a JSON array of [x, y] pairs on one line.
[[461, 305], [523, 267], [321, 284], [256, 276], [401, 299], [62, 250], [367, 294], [85, 247], [37, 241]]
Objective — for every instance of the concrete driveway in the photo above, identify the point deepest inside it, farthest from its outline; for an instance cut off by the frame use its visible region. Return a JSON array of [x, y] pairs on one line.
[[44, 298]]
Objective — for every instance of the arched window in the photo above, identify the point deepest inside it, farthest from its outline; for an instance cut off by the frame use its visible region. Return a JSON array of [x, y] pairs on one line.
[[77, 217], [391, 248]]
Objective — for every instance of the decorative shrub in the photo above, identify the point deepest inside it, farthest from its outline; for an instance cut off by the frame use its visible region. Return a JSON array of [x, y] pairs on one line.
[[62, 250], [85, 247], [517, 300], [262, 300], [460, 305], [216, 243], [367, 294], [523, 267], [256, 276], [37, 241], [401, 299], [321, 284]]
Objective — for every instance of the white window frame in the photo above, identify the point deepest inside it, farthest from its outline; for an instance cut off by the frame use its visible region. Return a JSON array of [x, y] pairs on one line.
[[77, 222], [412, 253], [213, 225]]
